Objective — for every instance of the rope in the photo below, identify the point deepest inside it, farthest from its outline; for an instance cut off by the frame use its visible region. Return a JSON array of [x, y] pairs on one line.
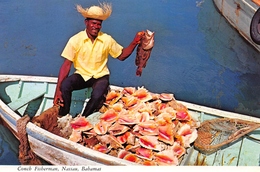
[[26, 155]]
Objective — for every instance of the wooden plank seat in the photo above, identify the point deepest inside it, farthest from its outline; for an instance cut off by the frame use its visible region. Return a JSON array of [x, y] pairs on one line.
[[20, 102]]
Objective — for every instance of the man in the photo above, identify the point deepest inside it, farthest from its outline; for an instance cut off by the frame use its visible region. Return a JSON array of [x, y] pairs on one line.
[[88, 50]]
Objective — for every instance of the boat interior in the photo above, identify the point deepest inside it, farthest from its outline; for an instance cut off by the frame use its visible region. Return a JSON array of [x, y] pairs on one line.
[[32, 99]]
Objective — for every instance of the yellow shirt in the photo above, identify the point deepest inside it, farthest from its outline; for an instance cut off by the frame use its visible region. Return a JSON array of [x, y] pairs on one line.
[[90, 59]]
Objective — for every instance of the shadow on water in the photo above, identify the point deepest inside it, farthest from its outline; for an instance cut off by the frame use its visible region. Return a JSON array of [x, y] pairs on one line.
[[8, 147]]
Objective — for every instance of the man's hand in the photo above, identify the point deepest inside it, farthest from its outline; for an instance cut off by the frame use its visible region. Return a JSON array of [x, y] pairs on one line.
[[138, 37], [127, 51], [64, 72], [58, 100]]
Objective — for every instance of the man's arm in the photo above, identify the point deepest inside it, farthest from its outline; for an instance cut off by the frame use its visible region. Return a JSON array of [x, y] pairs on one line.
[[126, 52], [64, 72]]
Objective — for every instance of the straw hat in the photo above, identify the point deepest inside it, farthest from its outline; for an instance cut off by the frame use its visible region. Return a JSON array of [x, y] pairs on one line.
[[101, 12]]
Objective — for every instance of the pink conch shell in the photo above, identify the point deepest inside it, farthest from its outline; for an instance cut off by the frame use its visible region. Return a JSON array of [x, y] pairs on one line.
[[144, 153], [132, 148], [112, 97], [161, 106], [129, 90], [129, 101], [184, 130], [90, 132], [101, 148], [75, 136], [193, 136], [122, 153], [188, 135], [64, 124], [166, 96], [123, 138], [149, 163], [101, 127], [170, 111], [137, 107], [166, 134], [131, 157], [117, 129], [148, 128], [178, 149], [154, 104], [147, 107], [183, 115], [155, 96], [104, 139], [109, 116], [166, 157], [136, 131], [114, 143], [142, 117], [150, 142], [142, 94], [90, 141], [81, 123], [127, 137], [130, 138], [164, 118], [127, 119], [177, 106], [118, 107]]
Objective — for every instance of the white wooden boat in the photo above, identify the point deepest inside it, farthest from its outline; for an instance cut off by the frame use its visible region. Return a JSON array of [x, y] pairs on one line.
[[32, 95], [239, 13]]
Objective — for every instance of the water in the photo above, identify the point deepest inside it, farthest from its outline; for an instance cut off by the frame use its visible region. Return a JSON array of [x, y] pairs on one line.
[[197, 56], [8, 147]]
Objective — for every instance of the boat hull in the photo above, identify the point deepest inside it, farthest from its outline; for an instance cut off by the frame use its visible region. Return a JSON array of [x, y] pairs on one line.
[[60, 151], [239, 14]]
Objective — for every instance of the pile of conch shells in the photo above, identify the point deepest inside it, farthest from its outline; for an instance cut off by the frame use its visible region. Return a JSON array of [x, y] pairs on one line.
[[138, 126]]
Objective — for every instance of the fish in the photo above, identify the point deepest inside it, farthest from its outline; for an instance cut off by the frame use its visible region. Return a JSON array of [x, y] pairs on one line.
[[144, 50]]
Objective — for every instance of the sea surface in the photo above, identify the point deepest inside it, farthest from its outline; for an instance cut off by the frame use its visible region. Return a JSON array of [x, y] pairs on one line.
[[197, 55]]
